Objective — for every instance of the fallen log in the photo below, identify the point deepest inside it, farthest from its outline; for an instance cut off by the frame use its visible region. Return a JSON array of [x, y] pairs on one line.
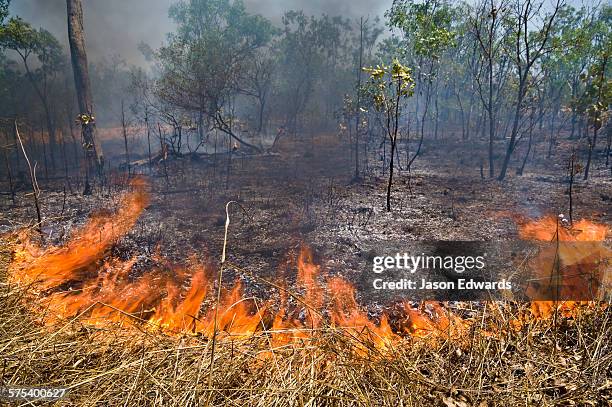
[[158, 158]]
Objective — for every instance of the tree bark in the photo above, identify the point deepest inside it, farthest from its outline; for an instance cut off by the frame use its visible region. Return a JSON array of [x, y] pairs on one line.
[[358, 107], [125, 140], [515, 126], [522, 168], [390, 183], [93, 149], [592, 144]]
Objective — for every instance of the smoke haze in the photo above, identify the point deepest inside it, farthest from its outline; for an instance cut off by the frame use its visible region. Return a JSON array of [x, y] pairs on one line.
[[116, 27]]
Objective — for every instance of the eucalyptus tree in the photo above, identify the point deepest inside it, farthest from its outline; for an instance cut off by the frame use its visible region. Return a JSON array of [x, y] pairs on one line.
[[533, 99], [597, 98], [571, 53], [258, 82], [591, 101], [529, 32], [337, 48], [354, 112], [388, 87], [143, 102], [80, 70], [461, 66], [427, 33], [492, 65], [42, 58], [301, 62], [10, 78], [561, 68], [205, 60]]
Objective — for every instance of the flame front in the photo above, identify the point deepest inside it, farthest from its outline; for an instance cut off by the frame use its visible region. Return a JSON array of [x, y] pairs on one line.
[[81, 279]]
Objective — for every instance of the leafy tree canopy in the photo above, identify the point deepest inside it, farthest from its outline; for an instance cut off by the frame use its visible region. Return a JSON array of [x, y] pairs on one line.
[[427, 25], [4, 5], [21, 37], [389, 84], [212, 46]]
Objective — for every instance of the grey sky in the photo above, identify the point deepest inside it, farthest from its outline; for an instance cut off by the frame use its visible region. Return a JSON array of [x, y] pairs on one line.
[[118, 26]]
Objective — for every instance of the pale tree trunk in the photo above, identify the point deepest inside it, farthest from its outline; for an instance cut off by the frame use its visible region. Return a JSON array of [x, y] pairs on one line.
[[592, 144], [93, 149], [358, 110]]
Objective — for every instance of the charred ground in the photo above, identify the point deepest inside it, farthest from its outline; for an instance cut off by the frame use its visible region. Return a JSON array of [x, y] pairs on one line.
[[304, 194]]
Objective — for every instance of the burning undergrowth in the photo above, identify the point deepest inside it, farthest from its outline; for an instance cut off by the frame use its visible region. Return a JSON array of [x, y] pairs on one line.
[[284, 350], [576, 256], [82, 280]]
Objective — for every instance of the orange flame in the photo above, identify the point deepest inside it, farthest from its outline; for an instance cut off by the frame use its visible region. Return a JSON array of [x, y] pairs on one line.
[[81, 279], [345, 313], [573, 261], [307, 279], [80, 256], [548, 228]]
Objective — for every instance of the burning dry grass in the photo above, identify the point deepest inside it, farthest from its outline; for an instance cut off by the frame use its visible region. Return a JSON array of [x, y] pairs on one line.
[[81, 280], [116, 339], [542, 364]]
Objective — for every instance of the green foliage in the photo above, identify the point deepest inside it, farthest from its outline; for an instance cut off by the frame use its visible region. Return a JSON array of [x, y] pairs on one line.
[[205, 59], [388, 85], [426, 25], [596, 100], [300, 48], [583, 46], [21, 37], [204, 22], [4, 5], [391, 48], [311, 48], [206, 64]]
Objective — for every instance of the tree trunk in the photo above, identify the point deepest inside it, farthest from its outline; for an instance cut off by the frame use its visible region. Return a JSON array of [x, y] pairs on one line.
[[515, 125], [358, 107], [44, 152], [42, 95], [608, 147], [426, 109], [52, 135], [10, 175], [522, 168], [592, 144], [491, 122], [437, 112], [125, 140], [148, 138], [468, 124], [93, 149], [390, 183], [572, 174], [262, 108]]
